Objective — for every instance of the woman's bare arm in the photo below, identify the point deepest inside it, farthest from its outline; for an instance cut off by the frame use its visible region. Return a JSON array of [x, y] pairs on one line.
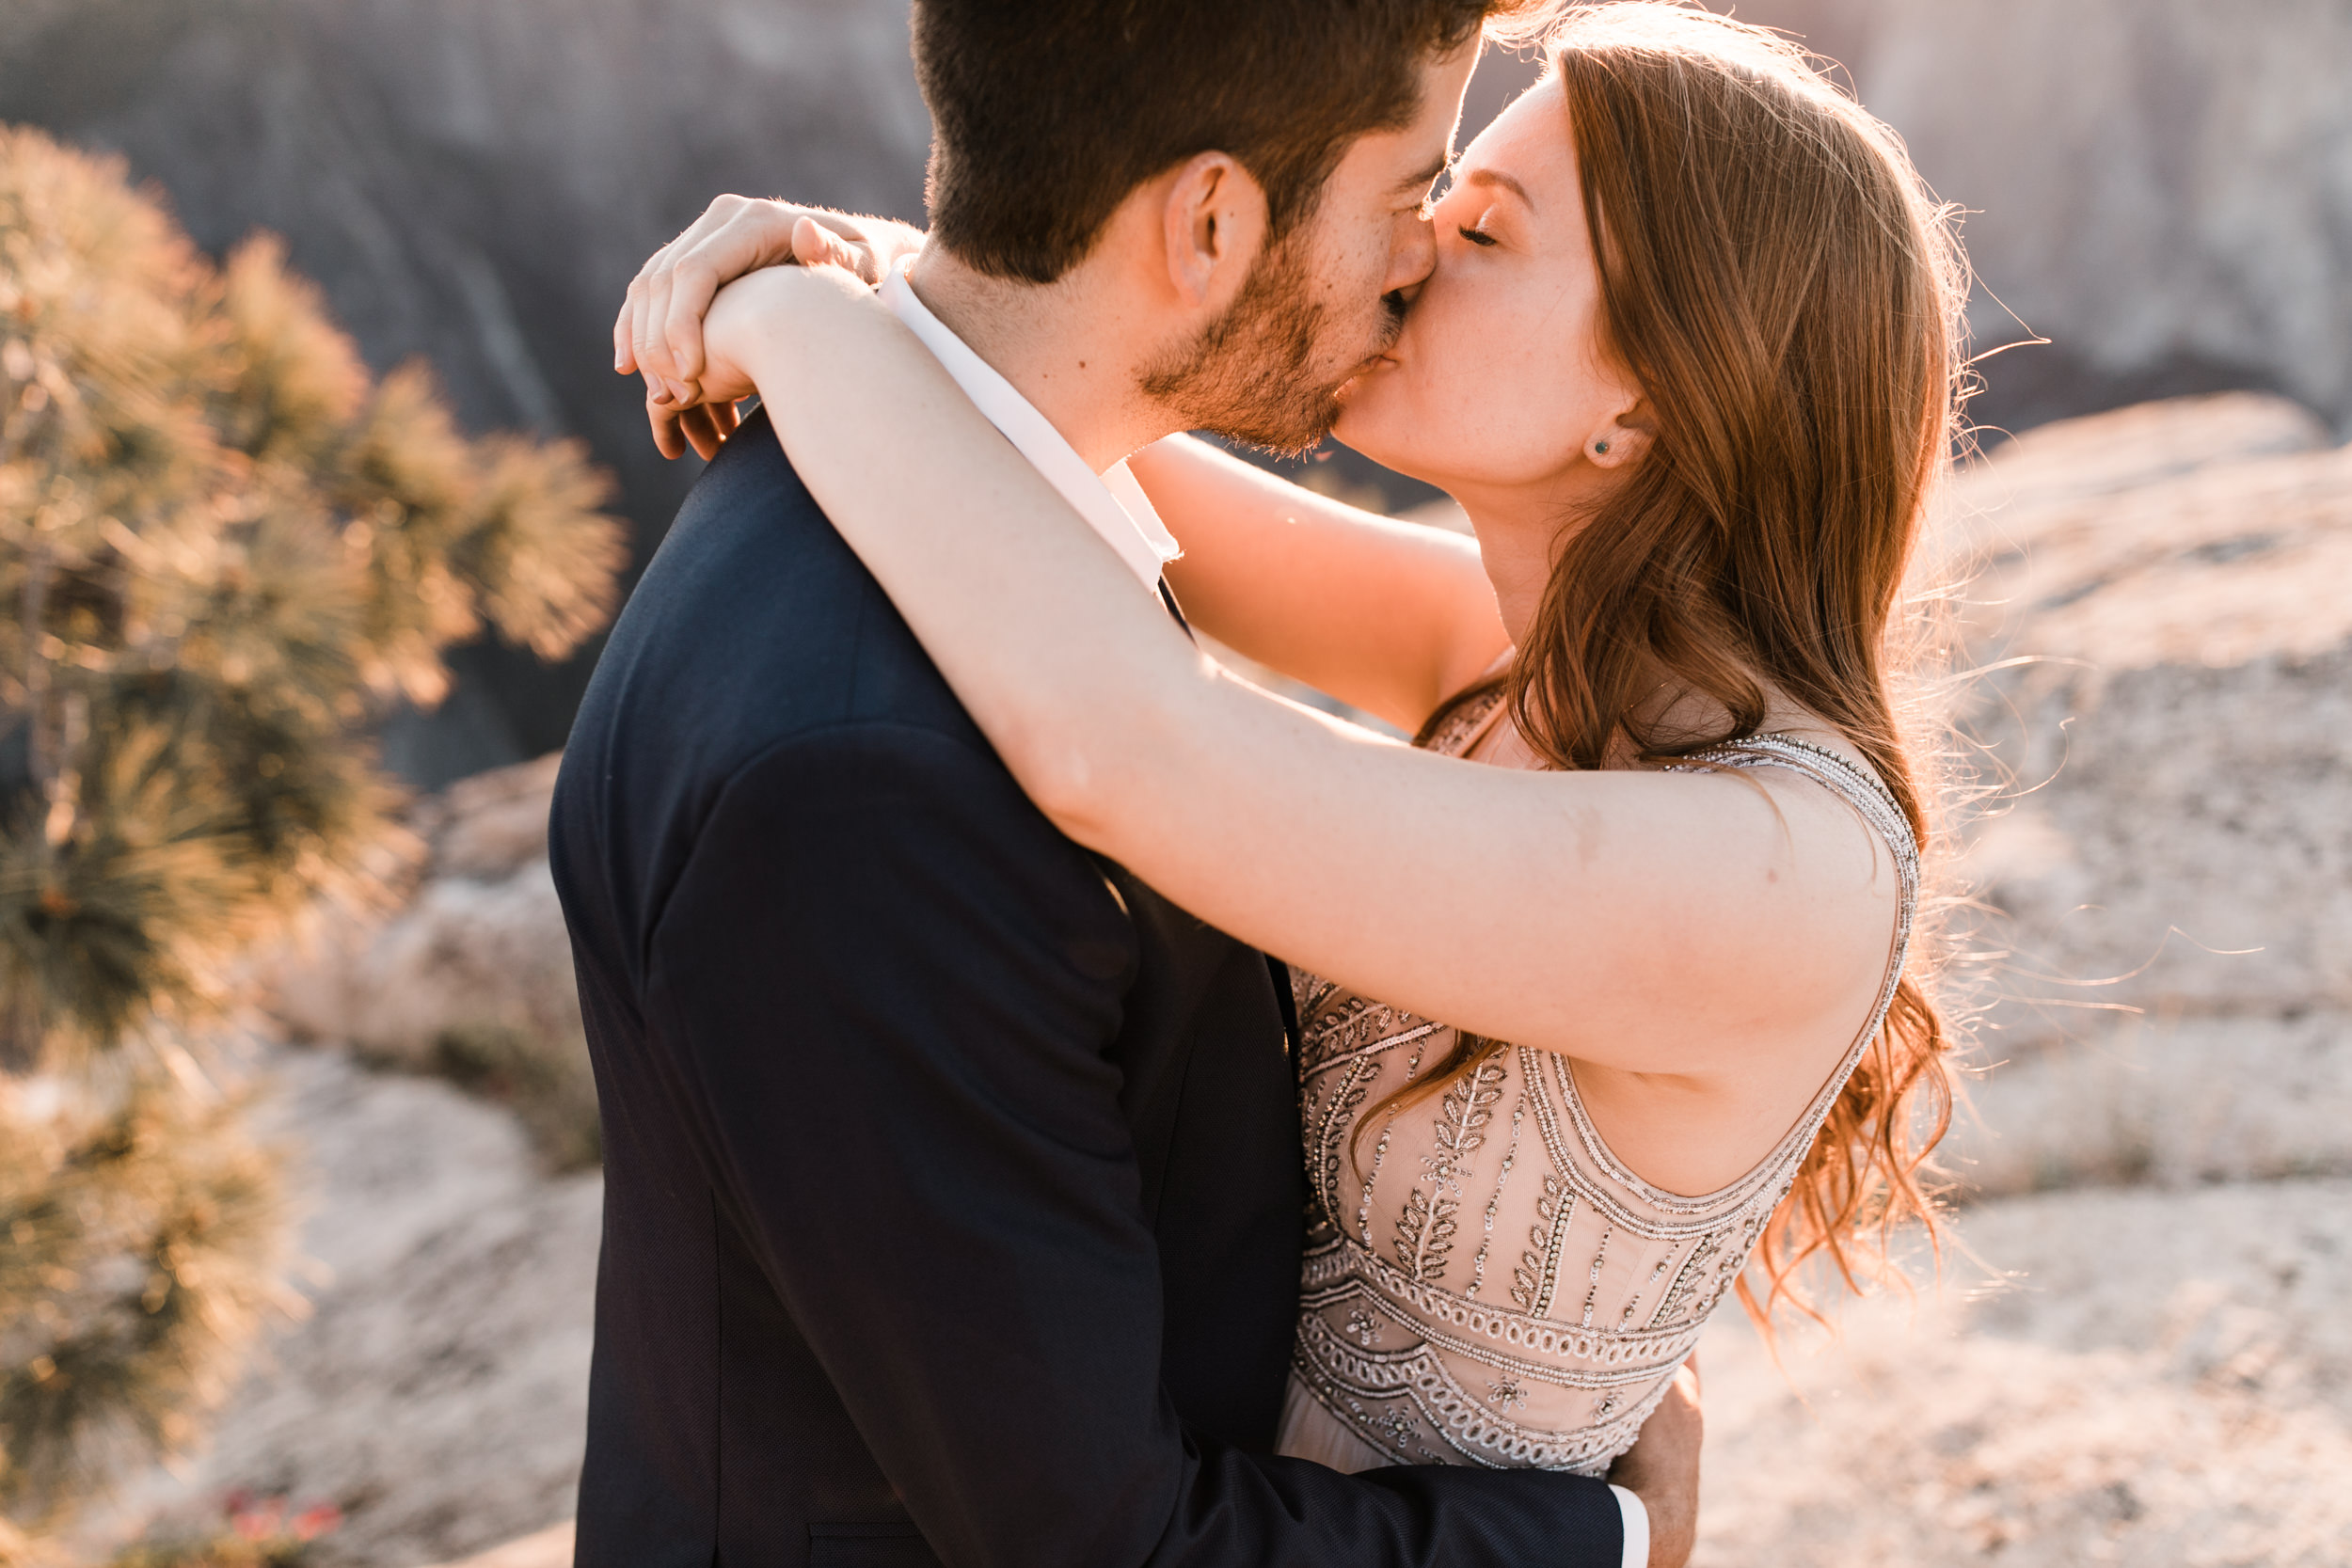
[[1659, 923], [1384, 615], [1392, 617]]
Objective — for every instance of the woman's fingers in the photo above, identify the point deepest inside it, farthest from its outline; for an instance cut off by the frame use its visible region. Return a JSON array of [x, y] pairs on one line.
[[704, 428], [653, 345], [693, 283], [816, 246], [749, 236], [668, 437], [624, 325], [659, 333], [694, 424], [670, 295], [707, 426], [660, 327]]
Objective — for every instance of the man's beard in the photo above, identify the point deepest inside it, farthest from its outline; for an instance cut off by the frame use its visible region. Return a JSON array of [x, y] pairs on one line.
[[1250, 374]]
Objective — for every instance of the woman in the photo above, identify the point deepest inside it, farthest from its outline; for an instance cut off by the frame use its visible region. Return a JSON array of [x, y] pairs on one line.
[[1607, 982]]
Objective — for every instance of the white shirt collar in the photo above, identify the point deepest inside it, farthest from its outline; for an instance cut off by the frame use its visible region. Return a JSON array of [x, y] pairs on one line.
[[1112, 501]]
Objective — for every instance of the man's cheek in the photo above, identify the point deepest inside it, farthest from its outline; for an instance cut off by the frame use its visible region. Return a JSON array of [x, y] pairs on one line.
[[1365, 277]]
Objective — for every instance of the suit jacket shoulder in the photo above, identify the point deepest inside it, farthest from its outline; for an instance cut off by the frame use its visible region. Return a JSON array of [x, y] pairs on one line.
[[753, 624]]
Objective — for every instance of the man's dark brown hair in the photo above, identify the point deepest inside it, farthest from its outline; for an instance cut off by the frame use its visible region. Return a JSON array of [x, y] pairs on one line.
[[1046, 113]]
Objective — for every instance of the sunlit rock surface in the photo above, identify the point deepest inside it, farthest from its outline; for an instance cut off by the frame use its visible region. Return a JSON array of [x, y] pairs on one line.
[[2165, 1381], [471, 978], [437, 1389], [2164, 601], [481, 943], [2161, 187]]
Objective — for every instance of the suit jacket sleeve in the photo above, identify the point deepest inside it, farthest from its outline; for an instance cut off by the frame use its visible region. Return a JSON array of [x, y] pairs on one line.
[[894, 982]]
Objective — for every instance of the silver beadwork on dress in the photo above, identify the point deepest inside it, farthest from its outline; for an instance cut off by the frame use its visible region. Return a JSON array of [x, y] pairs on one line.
[[1525, 1299]]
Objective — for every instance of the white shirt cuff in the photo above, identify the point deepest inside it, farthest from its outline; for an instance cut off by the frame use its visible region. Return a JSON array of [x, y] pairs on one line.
[[1636, 1527]]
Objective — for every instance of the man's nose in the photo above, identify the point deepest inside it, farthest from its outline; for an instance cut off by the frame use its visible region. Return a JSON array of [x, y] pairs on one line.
[[1412, 259]]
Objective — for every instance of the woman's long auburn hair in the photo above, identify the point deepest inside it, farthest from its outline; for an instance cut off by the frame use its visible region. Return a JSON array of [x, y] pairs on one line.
[[1776, 278]]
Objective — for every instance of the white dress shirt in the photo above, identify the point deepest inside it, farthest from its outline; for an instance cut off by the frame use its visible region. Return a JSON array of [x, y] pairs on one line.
[[1112, 501], [1116, 508]]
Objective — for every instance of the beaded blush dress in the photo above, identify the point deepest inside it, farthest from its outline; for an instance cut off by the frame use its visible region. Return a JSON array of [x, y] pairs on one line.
[[1493, 1286]]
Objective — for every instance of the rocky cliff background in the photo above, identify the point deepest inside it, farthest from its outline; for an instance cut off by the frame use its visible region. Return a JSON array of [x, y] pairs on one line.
[[474, 182], [2161, 187], [2140, 1351]]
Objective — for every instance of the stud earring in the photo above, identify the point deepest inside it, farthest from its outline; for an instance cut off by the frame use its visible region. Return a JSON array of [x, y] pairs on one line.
[[1600, 446]]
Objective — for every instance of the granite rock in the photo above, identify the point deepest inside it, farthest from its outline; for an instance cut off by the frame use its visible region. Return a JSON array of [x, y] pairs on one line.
[[2155, 1378], [2160, 613]]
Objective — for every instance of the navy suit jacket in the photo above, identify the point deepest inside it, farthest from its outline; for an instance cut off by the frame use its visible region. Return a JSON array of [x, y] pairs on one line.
[[952, 1177]]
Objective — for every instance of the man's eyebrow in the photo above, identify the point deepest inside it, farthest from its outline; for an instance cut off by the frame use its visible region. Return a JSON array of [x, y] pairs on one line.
[[1495, 177], [1428, 176]]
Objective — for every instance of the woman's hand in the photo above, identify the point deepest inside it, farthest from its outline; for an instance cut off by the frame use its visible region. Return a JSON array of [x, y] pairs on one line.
[[763, 318], [660, 333]]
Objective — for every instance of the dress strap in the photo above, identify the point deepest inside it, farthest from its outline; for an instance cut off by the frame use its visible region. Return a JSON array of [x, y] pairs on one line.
[[1469, 724], [1851, 783]]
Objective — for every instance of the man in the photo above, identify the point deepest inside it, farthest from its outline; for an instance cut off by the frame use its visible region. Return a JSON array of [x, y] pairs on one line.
[[953, 1177]]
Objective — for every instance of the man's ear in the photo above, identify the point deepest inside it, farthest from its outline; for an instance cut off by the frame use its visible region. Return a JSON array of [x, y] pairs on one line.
[[1214, 222]]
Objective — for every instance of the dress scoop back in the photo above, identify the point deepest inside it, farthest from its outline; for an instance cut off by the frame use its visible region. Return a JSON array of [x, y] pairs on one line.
[[1485, 1282]]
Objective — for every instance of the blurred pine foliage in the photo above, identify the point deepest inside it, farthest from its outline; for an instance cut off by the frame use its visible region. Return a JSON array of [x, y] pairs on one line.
[[143, 1246], [224, 548]]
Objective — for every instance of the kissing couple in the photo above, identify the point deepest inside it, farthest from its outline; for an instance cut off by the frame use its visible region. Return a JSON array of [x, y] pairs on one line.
[[1066, 1107]]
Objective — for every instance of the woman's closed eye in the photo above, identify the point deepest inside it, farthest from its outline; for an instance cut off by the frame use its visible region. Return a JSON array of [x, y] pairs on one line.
[[1480, 230]]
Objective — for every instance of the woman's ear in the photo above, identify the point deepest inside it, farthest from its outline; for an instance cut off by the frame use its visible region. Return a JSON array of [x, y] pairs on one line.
[[1213, 223], [1626, 437]]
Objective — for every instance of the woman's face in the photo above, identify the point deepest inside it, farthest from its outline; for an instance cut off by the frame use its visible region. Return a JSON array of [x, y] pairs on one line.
[[1498, 382]]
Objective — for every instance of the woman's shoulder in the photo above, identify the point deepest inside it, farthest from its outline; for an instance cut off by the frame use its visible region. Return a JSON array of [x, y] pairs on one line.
[[1825, 758]]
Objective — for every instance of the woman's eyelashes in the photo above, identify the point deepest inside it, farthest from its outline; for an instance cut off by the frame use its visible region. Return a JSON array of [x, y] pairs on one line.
[[1479, 232]]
